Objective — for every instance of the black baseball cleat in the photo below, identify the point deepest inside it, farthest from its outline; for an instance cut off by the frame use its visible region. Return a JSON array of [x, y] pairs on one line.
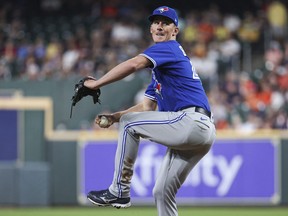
[[105, 198]]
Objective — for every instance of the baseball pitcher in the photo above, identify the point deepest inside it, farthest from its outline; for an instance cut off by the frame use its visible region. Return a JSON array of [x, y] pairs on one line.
[[182, 122]]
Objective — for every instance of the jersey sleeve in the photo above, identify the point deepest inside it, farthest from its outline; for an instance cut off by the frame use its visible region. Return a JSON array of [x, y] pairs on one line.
[[159, 54], [150, 93]]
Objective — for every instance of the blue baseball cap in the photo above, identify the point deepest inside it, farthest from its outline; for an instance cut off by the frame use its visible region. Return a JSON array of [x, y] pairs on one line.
[[166, 12]]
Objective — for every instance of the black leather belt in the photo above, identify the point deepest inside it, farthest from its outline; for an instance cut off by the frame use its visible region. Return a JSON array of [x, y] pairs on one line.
[[203, 111], [199, 110]]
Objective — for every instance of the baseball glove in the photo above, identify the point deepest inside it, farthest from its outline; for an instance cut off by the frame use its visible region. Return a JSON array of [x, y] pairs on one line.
[[81, 91]]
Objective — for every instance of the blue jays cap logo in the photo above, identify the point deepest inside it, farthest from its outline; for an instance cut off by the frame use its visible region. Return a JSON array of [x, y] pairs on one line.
[[163, 9]]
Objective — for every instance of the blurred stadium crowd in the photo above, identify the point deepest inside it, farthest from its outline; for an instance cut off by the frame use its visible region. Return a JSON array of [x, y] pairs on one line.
[[242, 57]]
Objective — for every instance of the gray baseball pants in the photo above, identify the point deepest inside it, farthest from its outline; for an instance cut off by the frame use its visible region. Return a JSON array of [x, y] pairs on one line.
[[188, 136]]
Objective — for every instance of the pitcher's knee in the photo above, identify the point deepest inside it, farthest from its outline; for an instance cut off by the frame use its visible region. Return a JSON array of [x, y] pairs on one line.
[[127, 119], [124, 120]]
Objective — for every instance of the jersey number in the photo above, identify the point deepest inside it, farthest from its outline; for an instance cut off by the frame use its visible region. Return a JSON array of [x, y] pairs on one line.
[[194, 73]]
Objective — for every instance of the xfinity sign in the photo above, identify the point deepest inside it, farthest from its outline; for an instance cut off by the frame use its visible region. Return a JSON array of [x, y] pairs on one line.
[[233, 170], [149, 161]]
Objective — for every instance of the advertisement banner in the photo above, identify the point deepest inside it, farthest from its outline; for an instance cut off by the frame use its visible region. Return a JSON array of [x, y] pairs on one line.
[[234, 171], [9, 135]]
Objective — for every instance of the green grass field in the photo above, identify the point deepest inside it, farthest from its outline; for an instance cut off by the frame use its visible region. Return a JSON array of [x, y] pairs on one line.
[[144, 211]]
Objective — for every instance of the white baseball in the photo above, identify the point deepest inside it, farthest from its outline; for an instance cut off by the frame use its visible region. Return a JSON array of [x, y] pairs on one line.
[[103, 121]]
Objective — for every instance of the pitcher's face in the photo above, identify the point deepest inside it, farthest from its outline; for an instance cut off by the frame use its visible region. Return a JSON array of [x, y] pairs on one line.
[[163, 29]]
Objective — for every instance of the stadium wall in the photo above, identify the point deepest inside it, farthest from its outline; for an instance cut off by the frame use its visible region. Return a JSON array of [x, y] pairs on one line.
[[43, 169]]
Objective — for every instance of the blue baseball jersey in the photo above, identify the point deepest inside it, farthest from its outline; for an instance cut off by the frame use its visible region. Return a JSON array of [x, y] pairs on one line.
[[175, 83]]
